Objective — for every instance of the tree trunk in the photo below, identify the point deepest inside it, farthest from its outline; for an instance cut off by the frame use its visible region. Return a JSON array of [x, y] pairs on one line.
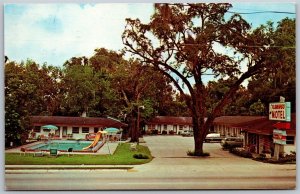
[[134, 134], [200, 132], [198, 112]]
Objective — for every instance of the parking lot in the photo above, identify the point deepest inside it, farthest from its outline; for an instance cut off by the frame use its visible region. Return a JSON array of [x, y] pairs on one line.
[[177, 146]]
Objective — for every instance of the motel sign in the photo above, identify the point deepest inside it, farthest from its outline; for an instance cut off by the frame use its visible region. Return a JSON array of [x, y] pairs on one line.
[[280, 111]]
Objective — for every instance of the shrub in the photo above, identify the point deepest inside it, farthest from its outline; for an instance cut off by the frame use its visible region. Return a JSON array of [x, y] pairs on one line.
[[164, 132], [241, 152], [192, 153], [288, 157], [141, 156], [230, 146], [154, 132], [261, 156], [171, 132]]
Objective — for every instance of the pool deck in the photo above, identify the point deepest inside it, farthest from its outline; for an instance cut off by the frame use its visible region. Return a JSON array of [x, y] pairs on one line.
[[107, 148]]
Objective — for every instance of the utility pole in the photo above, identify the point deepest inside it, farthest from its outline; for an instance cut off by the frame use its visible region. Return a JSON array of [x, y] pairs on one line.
[[138, 123]]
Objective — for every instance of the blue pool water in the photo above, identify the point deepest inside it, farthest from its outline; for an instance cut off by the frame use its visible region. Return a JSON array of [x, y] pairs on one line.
[[62, 145]]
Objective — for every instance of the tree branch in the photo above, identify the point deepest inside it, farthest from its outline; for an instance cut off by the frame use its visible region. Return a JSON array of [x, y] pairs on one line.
[[186, 97], [165, 65], [217, 110]]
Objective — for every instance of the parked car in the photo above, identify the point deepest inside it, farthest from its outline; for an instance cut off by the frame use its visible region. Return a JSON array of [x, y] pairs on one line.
[[187, 133], [232, 142], [213, 137]]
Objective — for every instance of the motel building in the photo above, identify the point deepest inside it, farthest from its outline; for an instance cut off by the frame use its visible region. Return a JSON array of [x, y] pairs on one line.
[[70, 127], [169, 125], [259, 135], [229, 126]]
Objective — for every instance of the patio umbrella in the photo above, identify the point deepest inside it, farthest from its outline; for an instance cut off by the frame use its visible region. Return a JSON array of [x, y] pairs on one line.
[[49, 127], [111, 130]]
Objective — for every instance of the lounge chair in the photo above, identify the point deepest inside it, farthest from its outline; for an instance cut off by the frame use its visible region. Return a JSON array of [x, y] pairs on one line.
[[38, 154], [70, 150], [133, 147], [53, 152], [23, 151]]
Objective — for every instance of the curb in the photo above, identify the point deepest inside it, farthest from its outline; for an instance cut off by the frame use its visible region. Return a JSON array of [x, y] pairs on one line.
[[81, 167]]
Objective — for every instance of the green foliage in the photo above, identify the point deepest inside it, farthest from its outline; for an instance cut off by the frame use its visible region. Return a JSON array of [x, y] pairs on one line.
[[87, 91], [192, 153], [141, 156], [30, 89], [241, 152], [280, 78], [239, 103], [257, 108]]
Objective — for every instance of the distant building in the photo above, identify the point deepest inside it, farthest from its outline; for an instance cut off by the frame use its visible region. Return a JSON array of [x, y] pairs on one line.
[[169, 124], [225, 125], [70, 127]]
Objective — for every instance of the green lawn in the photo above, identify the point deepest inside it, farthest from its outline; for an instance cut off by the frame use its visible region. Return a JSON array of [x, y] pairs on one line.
[[122, 156]]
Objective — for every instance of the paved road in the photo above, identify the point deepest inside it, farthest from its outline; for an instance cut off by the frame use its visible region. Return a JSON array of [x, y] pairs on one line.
[[170, 169]]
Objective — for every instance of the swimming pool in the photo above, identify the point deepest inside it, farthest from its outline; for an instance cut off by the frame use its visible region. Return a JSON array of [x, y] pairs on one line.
[[61, 145]]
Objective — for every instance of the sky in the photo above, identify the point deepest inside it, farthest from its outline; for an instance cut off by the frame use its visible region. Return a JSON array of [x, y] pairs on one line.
[[53, 33]]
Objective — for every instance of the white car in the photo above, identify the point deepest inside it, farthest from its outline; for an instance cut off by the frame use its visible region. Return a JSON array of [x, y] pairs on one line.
[[213, 137], [187, 133]]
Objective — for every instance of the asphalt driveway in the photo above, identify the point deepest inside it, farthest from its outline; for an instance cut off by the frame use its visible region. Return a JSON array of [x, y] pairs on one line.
[[177, 146], [171, 160]]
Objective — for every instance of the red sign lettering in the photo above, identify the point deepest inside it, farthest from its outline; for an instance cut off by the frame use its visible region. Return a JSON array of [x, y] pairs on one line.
[[279, 114]]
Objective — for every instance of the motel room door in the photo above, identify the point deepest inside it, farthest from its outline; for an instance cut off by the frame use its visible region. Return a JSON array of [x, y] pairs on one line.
[[253, 142]]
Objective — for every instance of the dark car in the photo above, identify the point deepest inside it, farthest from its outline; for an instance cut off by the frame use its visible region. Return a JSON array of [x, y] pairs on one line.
[[232, 142]]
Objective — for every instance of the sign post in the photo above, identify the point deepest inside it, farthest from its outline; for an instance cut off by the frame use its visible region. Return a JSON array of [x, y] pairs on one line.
[[279, 139], [280, 111]]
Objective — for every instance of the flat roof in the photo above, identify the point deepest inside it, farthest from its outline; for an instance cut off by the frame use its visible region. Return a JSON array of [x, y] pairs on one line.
[[76, 121]]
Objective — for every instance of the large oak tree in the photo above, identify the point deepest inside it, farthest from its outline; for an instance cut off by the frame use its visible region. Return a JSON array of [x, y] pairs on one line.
[[182, 40]]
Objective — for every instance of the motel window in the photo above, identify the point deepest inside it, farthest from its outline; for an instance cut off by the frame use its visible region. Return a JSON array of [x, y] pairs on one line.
[[65, 129], [223, 132], [85, 130], [290, 140], [37, 129], [234, 132], [159, 128], [75, 129], [165, 127], [180, 127], [96, 129]]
